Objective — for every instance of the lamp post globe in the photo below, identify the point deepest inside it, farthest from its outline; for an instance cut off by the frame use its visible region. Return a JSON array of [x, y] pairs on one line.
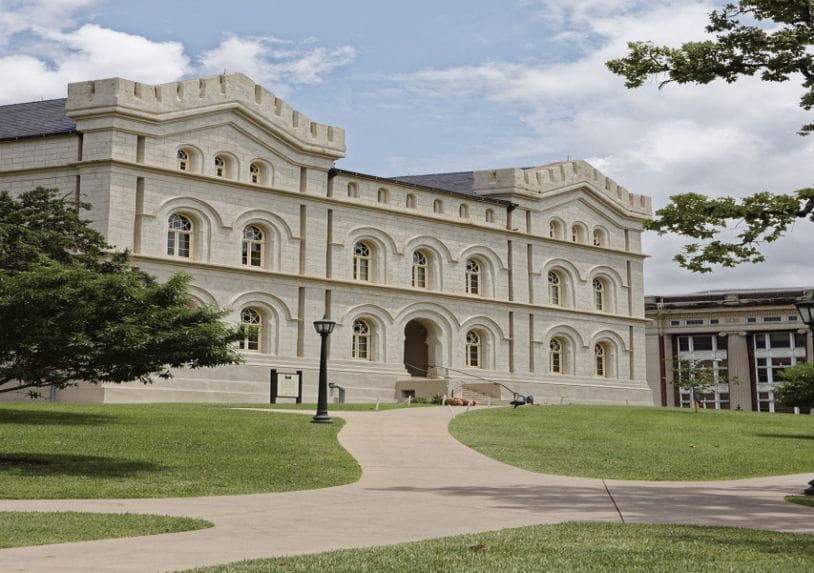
[[324, 328]]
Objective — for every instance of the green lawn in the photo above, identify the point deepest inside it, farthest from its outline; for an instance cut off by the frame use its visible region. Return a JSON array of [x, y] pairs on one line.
[[21, 529], [336, 407], [641, 443], [595, 547], [163, 450], [807, 500]]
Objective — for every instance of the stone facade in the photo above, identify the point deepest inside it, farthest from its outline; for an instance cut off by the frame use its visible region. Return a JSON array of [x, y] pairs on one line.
[[531, 278], [746, 336]]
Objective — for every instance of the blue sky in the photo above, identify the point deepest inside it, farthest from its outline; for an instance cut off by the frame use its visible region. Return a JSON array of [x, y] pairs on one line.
[[454, 85]]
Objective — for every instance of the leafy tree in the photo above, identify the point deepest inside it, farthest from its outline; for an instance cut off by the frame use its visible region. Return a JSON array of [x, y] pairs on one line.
[[767, 38], [698, 378], [73, 310], [797, 388]]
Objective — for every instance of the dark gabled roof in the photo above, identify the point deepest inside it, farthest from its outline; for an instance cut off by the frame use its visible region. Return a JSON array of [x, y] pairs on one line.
[[424, 182], [457, 182], [34, 119]]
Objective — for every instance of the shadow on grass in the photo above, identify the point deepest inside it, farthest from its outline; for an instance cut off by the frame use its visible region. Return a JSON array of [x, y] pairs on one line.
[[787, 436], [52, 418], [28, 464]]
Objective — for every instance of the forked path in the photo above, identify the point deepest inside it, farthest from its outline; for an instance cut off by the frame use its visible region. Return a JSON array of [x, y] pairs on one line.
[[417, 482]]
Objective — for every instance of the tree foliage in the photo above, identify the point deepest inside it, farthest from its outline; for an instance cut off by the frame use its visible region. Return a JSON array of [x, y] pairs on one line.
[[698, 378], [73, 310], [767, 38], [797, 388]]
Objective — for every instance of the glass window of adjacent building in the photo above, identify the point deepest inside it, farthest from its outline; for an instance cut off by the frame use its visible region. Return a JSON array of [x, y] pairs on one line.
[[706, 351], [773, 352]]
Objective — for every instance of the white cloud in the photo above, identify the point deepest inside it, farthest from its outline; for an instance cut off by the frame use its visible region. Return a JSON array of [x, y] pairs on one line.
[[49, 51], [717, 139], [266, 62]]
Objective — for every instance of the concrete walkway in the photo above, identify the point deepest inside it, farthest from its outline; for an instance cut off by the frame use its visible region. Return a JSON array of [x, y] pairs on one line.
[[417, 483]]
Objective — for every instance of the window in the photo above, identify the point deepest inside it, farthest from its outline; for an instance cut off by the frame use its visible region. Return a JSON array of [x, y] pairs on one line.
[[555, 229], [708, 352], [598, 238], [554, 289], [382, 195], [220, 166], [420, 267], [437, 206], [490, 216], [472, 277], [183, 160], [600, 364], [793, 318], [751, 319], [409, 201], [555, 356], [353, 190], [258, 173], [577, 233], [361, 340], [179, 236], [251, 322], [599, 294], [694, 322], [252, 253], [714, 321], [473, 349], [361, 262], [772, 319], [463, 212], [675, 323], [775, 351]]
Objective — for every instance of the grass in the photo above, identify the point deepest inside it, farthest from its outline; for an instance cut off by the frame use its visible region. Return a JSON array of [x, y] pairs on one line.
[[349, 407], [806, 500], [641, 443], [596, 547], [60, 451], [21, 529]]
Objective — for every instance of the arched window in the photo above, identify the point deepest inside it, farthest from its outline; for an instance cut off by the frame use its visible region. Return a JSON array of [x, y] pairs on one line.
[[554, 288], [556, 360], [576, 234], [382, 195], [259, 173], [598, 238], [490, 216], [437, 206], [220, 166], [361, 262], [361, 340], [353, 190], [179, 236], [599, 294], [555, 229], [409, 201], [463, 212], [420, 269], [473, 349], [184, 160], [253, 248], [252, 324], [473, 276], [600, 360]]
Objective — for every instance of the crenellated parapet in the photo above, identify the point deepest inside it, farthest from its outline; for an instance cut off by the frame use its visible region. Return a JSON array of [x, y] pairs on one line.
[[184, 98], [535, 182]]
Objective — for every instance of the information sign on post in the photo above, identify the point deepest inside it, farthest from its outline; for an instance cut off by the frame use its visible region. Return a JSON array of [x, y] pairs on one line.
[[285, 385]]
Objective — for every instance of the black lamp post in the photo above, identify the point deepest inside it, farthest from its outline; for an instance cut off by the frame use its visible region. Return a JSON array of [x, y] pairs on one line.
[[324, 328], [806, 309]]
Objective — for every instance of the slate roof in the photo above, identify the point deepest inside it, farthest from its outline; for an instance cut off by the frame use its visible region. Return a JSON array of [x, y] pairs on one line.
[[457, 182], [33, 119]]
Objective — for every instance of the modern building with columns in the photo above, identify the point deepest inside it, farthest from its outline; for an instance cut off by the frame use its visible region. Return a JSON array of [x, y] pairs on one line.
[[746, 336], [529, 278]]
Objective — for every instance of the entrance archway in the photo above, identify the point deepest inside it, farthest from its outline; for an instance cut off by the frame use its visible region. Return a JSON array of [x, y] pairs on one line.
[[416, 349]]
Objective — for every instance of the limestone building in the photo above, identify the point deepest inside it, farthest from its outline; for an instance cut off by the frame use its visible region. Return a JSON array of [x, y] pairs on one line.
[[744, 335], [528, 277]]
